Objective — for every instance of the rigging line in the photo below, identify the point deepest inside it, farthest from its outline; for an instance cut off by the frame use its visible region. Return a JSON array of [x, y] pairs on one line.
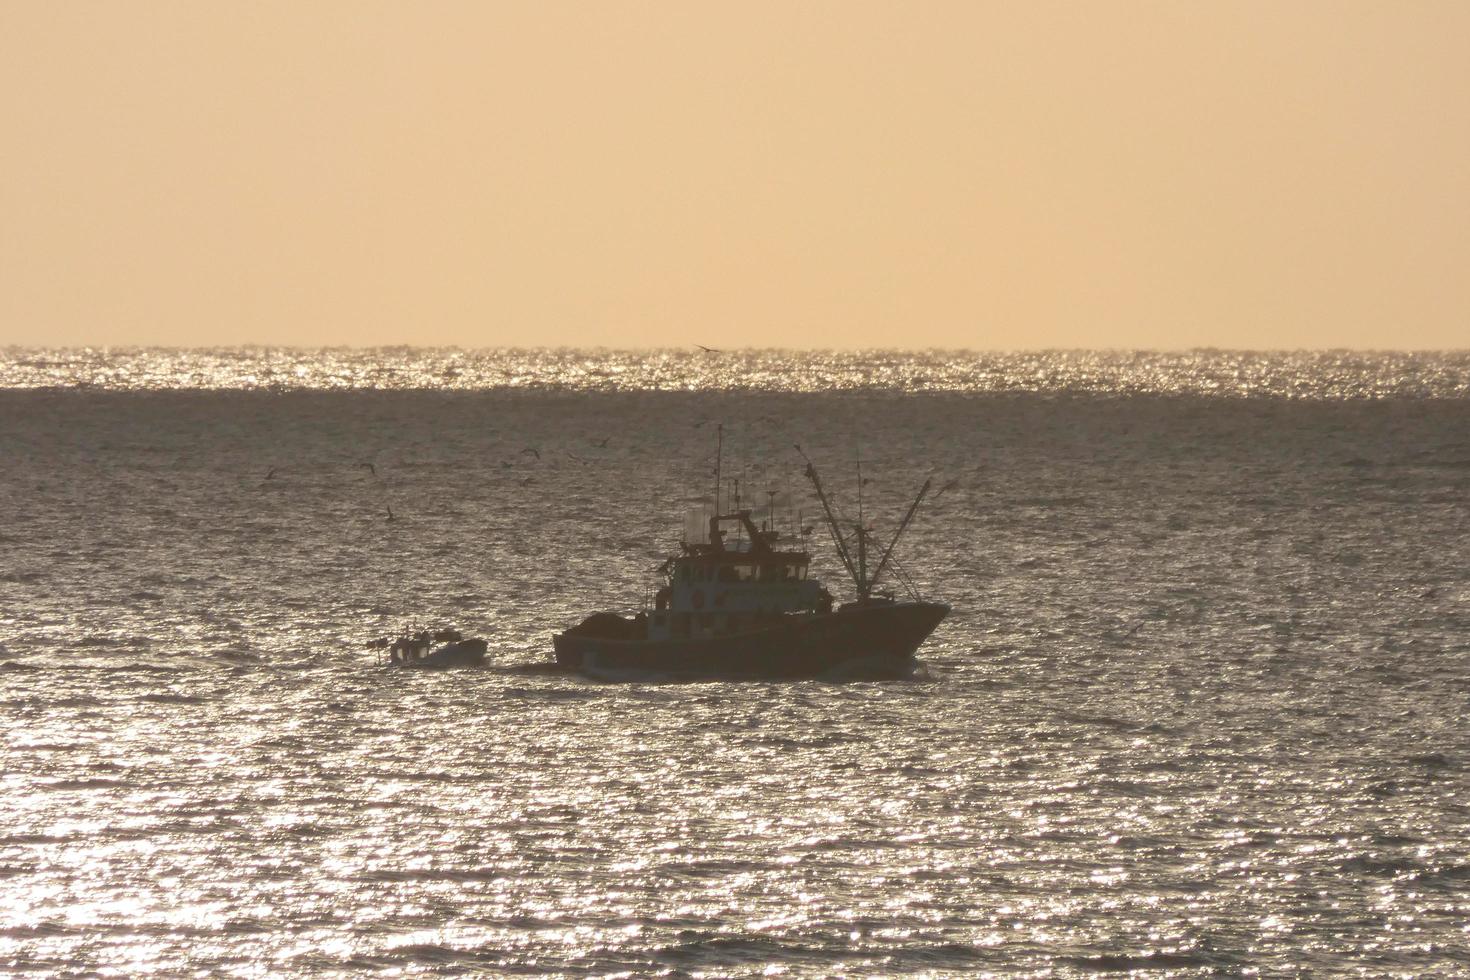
[[908, 582]]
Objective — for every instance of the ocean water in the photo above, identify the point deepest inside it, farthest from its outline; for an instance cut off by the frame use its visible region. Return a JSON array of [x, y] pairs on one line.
[[1200, 709]]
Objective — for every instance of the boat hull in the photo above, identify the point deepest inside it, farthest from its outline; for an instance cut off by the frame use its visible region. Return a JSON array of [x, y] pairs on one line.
[[461, 653], [878, 641]]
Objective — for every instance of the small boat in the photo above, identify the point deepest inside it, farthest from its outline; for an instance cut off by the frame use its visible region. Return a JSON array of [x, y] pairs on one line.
[[433, 649], [749, 608]]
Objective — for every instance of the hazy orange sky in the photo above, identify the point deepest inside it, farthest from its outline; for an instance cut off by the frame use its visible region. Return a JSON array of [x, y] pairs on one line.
[[794, 174]]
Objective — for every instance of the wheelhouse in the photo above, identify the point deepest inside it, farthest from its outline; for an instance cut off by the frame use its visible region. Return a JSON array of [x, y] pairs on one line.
[[719, 587]]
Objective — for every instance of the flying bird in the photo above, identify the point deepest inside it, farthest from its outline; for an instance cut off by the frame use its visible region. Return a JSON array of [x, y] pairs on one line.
[[272, 474], [390, 511], [709, 350], [948, 486], [600, 443], [532, 450], [369, 467]]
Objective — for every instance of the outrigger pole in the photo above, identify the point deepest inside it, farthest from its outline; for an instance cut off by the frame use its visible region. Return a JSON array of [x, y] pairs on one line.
[[811, 474], [859, 571], [888, 554]]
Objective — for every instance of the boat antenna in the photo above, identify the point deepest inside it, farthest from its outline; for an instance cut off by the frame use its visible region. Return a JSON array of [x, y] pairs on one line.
[[913, 508], [739, 528], [744, 462], [862, 536], [719, 458], [811, 474], [791, 519]]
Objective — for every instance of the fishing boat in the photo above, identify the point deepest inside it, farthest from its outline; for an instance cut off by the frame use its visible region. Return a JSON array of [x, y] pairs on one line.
[[738, 601], [432, 649]]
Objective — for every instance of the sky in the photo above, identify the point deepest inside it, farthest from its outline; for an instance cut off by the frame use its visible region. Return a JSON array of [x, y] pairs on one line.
[[799, 174]]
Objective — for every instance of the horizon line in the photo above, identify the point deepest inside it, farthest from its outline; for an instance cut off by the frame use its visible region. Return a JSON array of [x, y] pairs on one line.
[[695, 349]]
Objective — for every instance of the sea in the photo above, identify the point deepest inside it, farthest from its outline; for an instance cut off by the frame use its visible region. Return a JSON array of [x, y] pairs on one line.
[[1200, 708]]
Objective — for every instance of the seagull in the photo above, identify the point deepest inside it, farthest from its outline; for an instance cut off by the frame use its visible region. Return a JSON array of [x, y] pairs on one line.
[[532, 450], [600, 443], [528, 481], [369, 467], [579, 459], [709, 350], [948, 486], [272, 474]]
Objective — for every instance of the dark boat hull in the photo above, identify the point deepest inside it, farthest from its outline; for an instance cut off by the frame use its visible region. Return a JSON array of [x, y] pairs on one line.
[[877, 640], [462, 653]]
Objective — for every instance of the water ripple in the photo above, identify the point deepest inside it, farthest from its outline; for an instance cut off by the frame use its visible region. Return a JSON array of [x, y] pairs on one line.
[[1199, 711], [1293, 374]]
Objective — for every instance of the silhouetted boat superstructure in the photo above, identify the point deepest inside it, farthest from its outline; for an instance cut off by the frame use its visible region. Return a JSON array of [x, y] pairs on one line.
[[750, 608]]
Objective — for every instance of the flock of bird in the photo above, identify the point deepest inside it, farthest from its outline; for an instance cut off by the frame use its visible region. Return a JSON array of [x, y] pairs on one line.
[[505, 464], [602, 443], [528, 451]]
